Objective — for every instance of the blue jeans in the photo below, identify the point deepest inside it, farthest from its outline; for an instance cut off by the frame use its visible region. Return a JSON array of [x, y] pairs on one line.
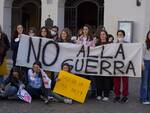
[[10, 91], [145, 83], [1, 79], [37, 92]]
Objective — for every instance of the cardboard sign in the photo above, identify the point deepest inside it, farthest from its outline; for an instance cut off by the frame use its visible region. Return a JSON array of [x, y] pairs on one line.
[[72, 86]]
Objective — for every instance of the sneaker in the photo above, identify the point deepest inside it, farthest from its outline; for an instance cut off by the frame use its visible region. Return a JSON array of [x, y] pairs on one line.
[[98, 98], [42, 97], [124, 100], [116, 99], [68, 101], [146, 103], [105, 99], [46, 101], [50, 98], [2, 94]]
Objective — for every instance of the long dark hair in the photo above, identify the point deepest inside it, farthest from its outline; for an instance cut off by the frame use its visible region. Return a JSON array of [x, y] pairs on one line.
[[90, 34], [46, 29], [147, 41], [66, 64], [20, 73], [99, 39], [68, 38], [15, 34]]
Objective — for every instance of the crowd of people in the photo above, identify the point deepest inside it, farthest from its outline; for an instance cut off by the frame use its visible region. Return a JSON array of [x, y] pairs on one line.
[[40, 83]]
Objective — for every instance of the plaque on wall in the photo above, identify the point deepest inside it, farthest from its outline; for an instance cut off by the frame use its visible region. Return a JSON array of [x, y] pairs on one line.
[[127, 26]]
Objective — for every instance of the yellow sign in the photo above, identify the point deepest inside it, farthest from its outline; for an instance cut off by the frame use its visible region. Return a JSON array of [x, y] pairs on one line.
[[72, 86]]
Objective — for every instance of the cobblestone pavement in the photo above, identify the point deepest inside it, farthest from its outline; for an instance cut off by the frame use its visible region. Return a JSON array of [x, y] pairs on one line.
[[90, 106]]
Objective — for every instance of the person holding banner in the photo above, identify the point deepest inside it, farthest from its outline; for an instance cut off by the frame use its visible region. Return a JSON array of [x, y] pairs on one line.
[[117, 80], [65, 36], [44, 32], [12, 83], [54, 33], [103, 83], [145, 81], [38, 82], [4, 46], [32, 31], [15, 42], [86, 38]]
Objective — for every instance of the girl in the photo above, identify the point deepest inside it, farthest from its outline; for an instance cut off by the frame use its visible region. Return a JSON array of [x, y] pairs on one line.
[[32, 31], [12, 84], [145, 84], [38, 82], [65, 36], [102, 82], [44, 32], [54, 33], [15, 42], [124, 79], [65, 67], [86, 37]]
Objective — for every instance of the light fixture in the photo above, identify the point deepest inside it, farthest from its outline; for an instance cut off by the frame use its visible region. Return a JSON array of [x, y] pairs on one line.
[[138, 2]]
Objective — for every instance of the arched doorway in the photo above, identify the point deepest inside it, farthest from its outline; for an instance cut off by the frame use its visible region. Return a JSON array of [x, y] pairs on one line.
[[84, 15], [27, 13], [80, 12]]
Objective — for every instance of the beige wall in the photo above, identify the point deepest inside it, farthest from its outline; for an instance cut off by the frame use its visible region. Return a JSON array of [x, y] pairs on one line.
[[56, 10], [116, 10], [52, 9], [1, 12]]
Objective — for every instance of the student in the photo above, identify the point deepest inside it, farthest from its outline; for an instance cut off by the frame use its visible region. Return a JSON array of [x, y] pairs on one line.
[[145, 81], [102, 82], [65, 36], [65, 67], [54, 33], [38, 82], [12, 83], [44, 32], [124, 79], [15, 42], [32, 31], [4, 46], [86, 37], [110, 38]]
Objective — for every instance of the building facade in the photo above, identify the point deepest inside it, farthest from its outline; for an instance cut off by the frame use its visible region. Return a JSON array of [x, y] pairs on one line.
[[76, 13]]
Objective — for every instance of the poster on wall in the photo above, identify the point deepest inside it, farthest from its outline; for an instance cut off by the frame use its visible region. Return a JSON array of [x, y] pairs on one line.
[[127, 26]]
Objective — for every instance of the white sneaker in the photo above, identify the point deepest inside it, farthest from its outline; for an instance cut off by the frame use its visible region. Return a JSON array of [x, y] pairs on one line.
[[105, 99], [68, 101], [98, 97], [50, 98], [146, 103]]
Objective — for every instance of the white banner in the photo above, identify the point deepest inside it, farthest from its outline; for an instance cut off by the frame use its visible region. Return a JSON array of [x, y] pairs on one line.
[[108, 60]]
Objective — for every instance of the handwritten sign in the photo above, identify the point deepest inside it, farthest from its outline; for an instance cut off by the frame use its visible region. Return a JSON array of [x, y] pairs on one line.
[[116, 59], [72, 86]]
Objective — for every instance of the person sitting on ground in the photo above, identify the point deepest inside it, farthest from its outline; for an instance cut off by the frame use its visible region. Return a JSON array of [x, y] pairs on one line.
[[65, 67], [38, 82], [12, 83]]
